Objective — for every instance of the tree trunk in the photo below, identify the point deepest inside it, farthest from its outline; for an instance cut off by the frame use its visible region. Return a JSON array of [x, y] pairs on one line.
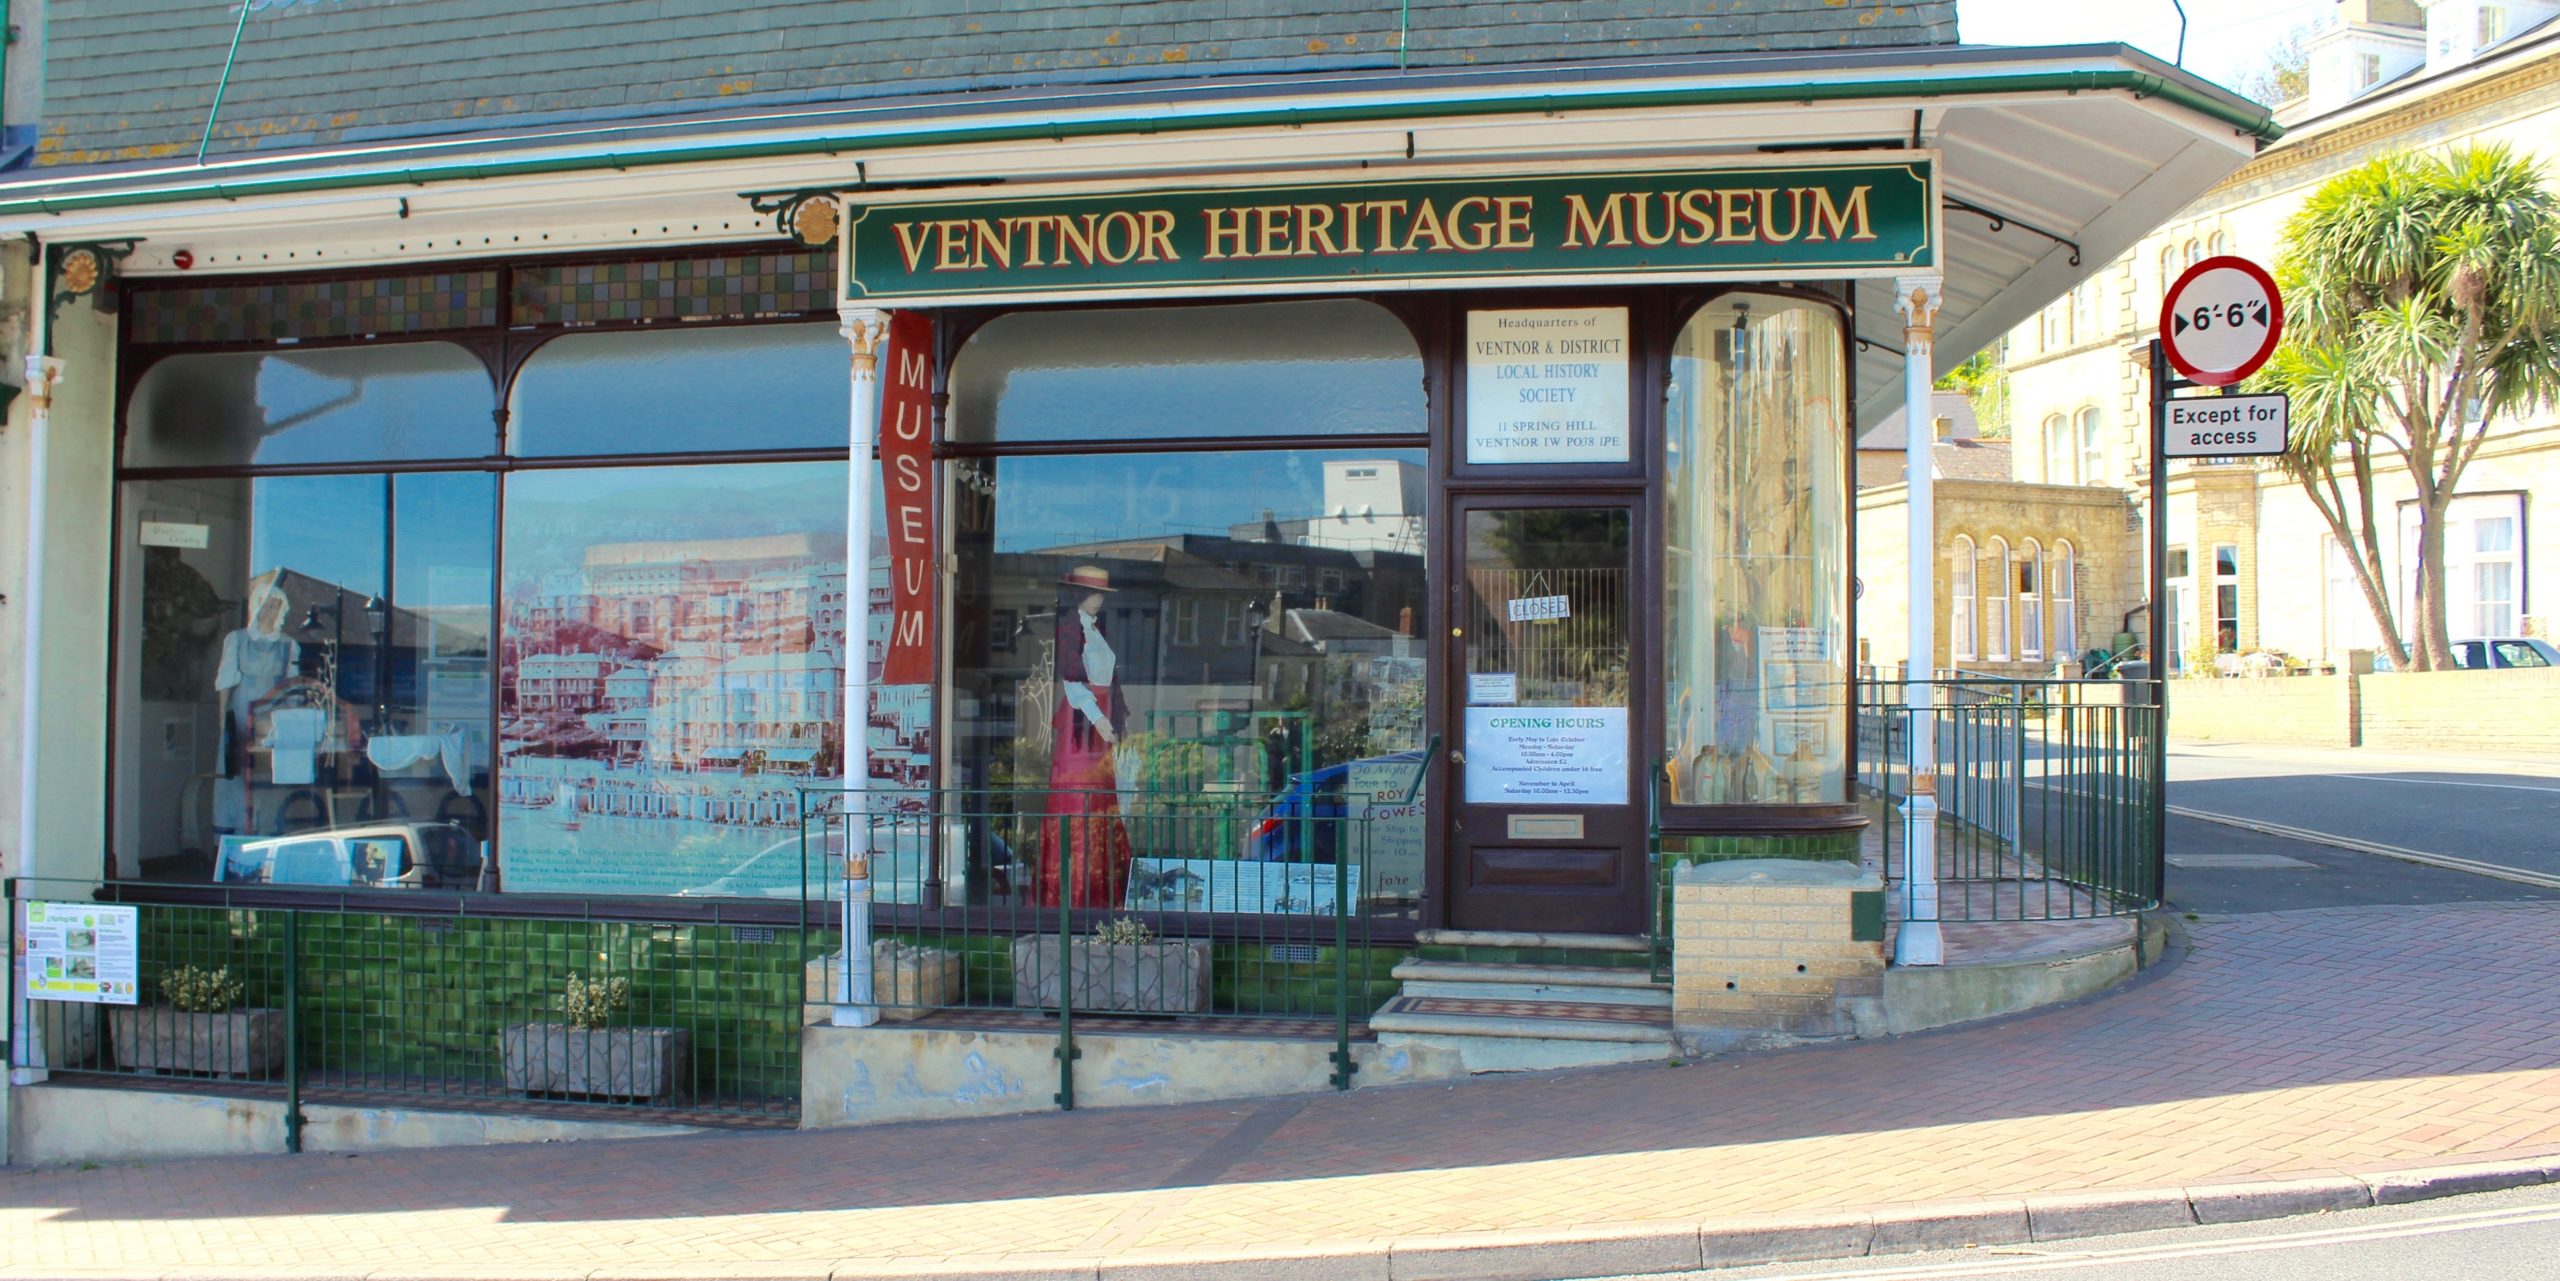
[[2435, 644]]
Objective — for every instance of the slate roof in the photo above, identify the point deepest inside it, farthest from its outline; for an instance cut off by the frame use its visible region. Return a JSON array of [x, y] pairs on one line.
[[1954, 406], [1956, 460], [130, 80]]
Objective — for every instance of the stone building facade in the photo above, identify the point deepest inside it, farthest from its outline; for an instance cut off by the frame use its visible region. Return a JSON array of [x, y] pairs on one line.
[[2260, 565]]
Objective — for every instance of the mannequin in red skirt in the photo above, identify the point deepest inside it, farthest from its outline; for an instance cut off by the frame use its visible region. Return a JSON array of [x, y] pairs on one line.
[[1083, 798]]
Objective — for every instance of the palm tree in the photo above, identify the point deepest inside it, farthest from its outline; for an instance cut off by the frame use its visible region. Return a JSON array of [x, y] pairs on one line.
[[2423, 300]]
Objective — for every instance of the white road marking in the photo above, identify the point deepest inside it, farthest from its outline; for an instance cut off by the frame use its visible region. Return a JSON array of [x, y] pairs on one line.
[[2450, 862], [2443, 782]]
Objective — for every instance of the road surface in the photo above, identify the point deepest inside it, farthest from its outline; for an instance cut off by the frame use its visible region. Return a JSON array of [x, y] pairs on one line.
[[2504, 813]]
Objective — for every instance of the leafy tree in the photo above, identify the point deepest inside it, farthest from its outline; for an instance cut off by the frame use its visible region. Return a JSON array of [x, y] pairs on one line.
[[2286, 74], [2423, 303], [1984, 380]]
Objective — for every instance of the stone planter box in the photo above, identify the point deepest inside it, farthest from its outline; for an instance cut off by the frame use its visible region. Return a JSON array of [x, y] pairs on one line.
[[907, 982], [157, 1038], [1163, 977], [645, 1063]]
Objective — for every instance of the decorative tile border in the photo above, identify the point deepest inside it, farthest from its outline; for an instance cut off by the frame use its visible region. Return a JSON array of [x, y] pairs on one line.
[[545, 293], [342, 308], [786, 283]]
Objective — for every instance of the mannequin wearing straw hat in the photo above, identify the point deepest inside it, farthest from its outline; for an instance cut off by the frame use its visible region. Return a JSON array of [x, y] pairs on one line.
[[1084, 798]]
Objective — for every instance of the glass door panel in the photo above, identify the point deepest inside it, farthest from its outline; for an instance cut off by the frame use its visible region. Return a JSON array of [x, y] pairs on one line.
[[1545, 836]]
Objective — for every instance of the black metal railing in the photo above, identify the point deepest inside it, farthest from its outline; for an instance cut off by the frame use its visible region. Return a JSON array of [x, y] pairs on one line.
[[1038, 909], [2048, 793], [584, 1003]]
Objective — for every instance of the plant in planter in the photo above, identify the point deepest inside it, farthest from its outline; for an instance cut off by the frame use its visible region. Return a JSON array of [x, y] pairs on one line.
[[199, 1030], [584, 1056], [1122, 968]]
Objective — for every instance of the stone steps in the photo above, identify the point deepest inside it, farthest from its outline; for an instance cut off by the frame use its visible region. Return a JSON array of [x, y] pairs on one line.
[[1505, 1001], [1458, 979], [1518, 938]]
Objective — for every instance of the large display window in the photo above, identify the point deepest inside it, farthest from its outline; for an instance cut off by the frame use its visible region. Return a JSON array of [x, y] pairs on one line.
[[670, 675], [363, 646], [1756, 556], [308, 654], [1171, 652]]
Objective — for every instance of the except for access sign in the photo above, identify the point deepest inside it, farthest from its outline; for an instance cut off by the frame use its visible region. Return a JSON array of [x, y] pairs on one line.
[[2225, 426], [2221, 321]]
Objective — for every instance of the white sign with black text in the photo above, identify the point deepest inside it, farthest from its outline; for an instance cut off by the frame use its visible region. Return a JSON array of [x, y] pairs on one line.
[[1535, 609], [1546, 756], [2226, 426], [1547, 386]]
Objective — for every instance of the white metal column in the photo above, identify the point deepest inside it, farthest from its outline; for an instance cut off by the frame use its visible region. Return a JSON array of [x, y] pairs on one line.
[[867, 329], [43, 372], [1920, 942]]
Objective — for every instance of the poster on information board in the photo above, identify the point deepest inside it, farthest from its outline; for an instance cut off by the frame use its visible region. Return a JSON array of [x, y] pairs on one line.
[[79, 952]]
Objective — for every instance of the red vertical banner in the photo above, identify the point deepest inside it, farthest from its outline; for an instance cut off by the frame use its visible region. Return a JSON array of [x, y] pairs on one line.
[[906, 474]]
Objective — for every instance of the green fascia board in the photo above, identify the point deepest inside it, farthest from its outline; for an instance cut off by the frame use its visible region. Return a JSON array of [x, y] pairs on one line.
[[2250, 120]]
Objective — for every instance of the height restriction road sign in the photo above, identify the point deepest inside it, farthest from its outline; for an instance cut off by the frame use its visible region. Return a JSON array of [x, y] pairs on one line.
[[2221, 321]]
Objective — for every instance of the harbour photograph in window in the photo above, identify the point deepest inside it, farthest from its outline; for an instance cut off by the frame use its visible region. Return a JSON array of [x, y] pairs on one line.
[[671, 673]]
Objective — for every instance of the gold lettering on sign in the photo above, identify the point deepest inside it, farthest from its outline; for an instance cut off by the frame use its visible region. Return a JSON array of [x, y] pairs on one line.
[[1582, 230], [1839, 218], [1464, 224]]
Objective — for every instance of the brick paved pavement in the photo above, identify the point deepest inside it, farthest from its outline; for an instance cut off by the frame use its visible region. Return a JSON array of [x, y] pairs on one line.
[[2283, 1045]]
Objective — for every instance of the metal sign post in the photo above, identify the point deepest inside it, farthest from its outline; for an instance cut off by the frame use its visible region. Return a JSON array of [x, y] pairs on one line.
[[2218, 324], [2158, 647]]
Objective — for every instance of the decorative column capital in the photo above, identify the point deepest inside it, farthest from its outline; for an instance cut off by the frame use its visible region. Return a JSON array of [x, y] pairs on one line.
[[865, 328], [42, 373], [1917, 298]]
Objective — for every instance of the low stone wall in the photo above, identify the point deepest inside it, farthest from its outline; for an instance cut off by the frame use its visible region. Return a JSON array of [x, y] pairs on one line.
[[2312, 711], [2493, 711], [53, 1123], [1773, 951], [2463, 711]]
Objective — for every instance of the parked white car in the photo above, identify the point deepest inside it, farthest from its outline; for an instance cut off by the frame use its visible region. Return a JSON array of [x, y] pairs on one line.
[[2505, 651]]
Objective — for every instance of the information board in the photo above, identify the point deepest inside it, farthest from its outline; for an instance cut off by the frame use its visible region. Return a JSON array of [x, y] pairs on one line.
[[80, 952], [1225, 885], [1546, 755], [1547, 386], [1386, 793]]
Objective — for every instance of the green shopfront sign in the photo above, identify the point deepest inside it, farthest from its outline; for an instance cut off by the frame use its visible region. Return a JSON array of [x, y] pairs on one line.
[[1805, 221]]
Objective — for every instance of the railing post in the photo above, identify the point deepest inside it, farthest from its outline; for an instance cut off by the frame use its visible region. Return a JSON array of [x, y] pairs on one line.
[[1343, 1067], [1064, 857], [292, 1031]]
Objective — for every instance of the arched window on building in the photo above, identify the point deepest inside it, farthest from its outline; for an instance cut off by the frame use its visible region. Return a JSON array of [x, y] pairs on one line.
[[1960, 636], [2092, 468], [2218, 245], [2168, 269], [2058, 451], [2084, 311], [2190, 257], [1995, 605], [2030, 586], [2061, 584]]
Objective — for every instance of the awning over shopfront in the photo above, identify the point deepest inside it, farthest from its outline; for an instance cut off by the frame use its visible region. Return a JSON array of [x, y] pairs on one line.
[[2051, 162]]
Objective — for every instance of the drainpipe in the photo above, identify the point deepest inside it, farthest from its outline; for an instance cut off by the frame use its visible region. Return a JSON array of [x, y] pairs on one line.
[[1920, 942], [42, 373], [867, 329]]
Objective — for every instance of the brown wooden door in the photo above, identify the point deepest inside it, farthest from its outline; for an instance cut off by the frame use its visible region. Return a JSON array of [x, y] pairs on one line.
[[1546, 829]]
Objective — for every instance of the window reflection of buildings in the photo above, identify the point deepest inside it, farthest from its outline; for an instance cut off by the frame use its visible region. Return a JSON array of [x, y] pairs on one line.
[[729, 650]]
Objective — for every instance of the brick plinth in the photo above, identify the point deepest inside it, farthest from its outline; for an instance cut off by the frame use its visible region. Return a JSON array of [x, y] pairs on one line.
[[1768, 952]]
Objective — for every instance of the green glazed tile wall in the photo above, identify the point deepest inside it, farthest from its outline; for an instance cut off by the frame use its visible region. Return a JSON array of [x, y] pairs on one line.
[[409, 1004]]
